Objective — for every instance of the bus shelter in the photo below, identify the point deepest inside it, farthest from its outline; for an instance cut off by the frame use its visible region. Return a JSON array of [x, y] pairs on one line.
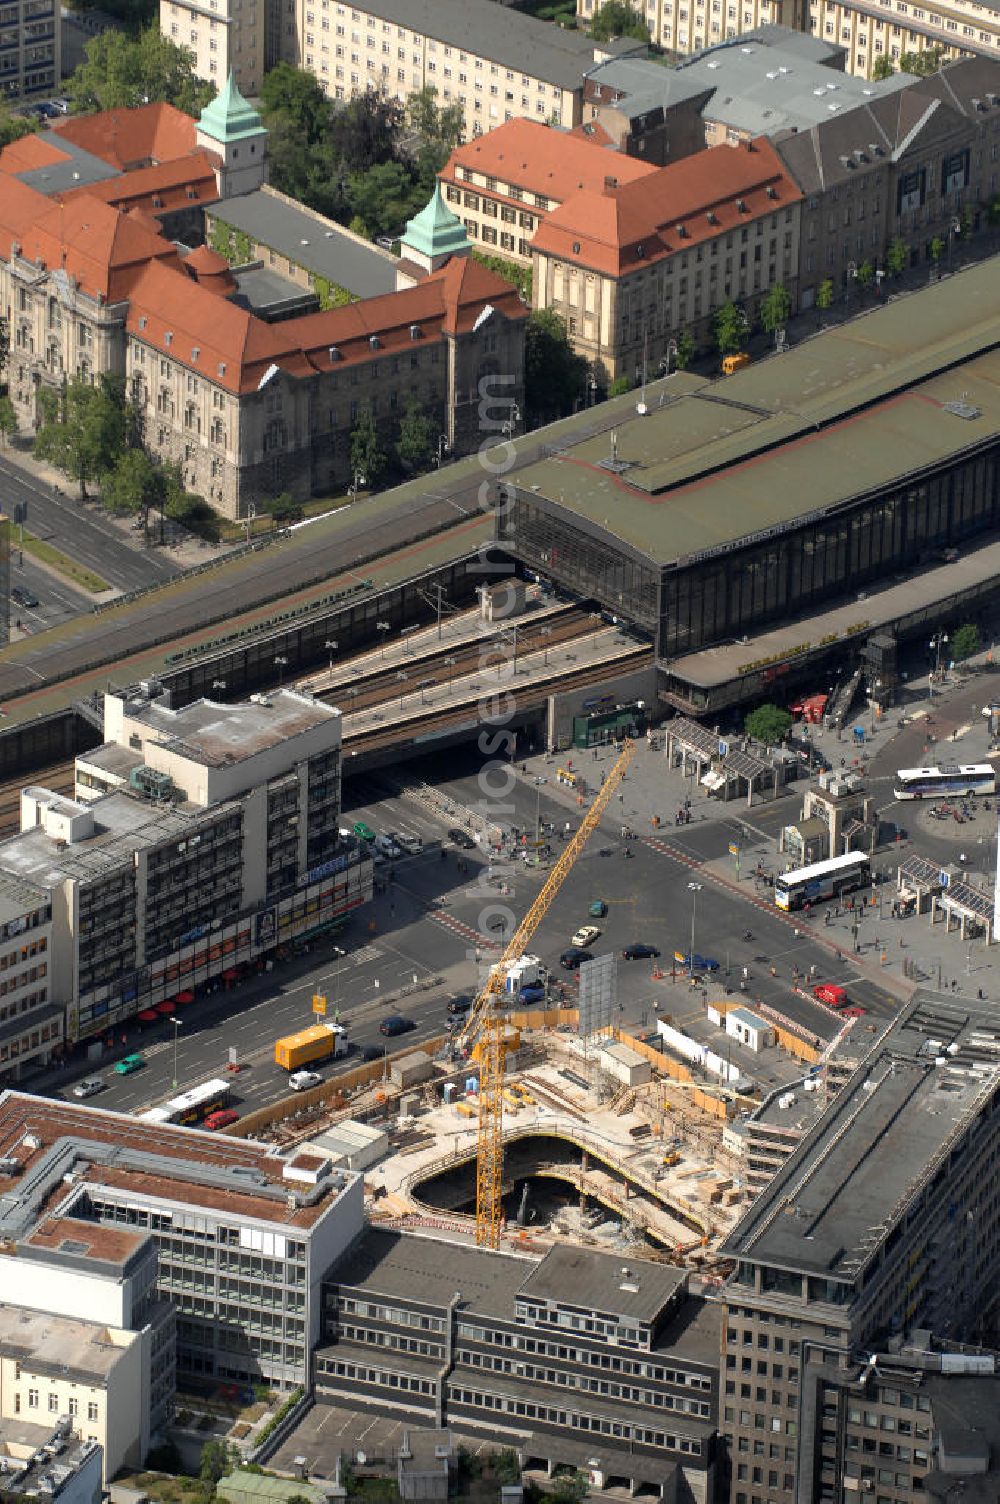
[[918, 883], [964, 907], [722, 767]]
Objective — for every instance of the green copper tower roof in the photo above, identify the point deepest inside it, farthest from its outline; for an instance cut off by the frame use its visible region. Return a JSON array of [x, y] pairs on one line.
[[435, 231], [229, 117]]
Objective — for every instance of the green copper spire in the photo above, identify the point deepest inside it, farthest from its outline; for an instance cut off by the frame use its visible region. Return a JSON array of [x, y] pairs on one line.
[[229, 117], [435, 232]]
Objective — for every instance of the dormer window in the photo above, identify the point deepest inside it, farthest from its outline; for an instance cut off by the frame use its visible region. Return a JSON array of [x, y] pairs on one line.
[[374, 343], [335, 354]]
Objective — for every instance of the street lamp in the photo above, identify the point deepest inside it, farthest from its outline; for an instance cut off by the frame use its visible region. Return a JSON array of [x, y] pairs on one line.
[[383, 627], [401, 678], [939, 640], [545, 633], [280, 663], [694, 889], [852, 274], [509, 424], [331, 644], [177, 1024], [443, 448]]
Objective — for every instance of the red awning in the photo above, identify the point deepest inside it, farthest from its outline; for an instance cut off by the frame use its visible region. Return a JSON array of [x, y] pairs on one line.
[[184, 997], [148, 1016], [230, 974], [166, 1007]]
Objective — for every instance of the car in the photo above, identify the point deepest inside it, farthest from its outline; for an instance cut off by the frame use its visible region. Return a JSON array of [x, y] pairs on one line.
[[48, 111], [396, 1024], [221, 1118], [586, 935], [598, 909], [303, 1080], [129, 1064], [388, 848], [533, 992], [370, 1052], [698, 963], [574, 957], [640, 952], [62, 105], [854, 1012], [461, 838], [830, 993], [412, 845], [362, 831], [459, 1005], [89, 1086], [23, 597]]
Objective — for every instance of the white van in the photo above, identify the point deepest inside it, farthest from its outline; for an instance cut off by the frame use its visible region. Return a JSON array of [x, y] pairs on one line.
[[386, 846]]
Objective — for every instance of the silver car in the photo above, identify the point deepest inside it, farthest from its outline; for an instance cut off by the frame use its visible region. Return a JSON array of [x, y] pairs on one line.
[[89, 1086]]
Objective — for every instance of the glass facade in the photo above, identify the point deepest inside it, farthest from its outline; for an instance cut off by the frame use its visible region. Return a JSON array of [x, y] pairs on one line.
[[738, 589]]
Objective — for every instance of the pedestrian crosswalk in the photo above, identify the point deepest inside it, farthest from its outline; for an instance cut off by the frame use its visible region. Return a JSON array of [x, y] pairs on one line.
[[459, 927]]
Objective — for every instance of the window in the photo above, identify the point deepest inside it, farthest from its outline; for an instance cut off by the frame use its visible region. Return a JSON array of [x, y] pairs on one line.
[[91, 1409], [32, 1399]]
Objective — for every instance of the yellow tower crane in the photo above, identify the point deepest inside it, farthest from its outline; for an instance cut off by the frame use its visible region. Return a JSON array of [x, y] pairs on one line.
[[486, 1022]]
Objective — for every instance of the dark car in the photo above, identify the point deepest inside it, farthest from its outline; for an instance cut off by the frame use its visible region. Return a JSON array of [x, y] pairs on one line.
[[700, 963], [534, 992], [396, 1024], [640, 952], [461, 838], [23, 597], [574, 957], [459, 1005], [371, 1052]]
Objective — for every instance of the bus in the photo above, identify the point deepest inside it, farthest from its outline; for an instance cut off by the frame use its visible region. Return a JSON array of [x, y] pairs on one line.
[[929, 783], [841, 874], [191, 1106]]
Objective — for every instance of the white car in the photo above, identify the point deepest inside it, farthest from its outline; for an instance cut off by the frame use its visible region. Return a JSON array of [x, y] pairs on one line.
[[303, 1080], [412, 845], [88, 1087], [586, 935]]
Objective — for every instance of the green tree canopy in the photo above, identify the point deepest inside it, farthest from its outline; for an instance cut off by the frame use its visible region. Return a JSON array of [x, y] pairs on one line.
[[128, 487], [617, 19], [217, 1457], [84, 434], [121, 72], [923, 63], [383, 198], [8, 418], [13, 127], [768, 724], [368, 458], [297, 95], [824, 295], [684, 353], [417, 442], [732, 328], [775, 309], [965, 642], [882, 67], [897, 256], [438, 130], [555, 377]]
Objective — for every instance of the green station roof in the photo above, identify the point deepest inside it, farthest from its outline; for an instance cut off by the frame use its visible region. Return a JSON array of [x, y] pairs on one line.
[[858, 407]]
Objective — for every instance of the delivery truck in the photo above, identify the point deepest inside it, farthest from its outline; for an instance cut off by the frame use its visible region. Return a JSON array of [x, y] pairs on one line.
[[318, 1042]]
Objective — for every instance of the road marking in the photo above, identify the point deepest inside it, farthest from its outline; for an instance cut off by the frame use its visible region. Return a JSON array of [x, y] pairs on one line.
[[459, 927]]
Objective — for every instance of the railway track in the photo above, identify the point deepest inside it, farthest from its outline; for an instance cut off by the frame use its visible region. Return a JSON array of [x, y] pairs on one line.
[[58, 777]]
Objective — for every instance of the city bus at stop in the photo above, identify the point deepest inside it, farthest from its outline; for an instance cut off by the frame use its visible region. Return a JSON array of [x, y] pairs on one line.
[[822, 880]]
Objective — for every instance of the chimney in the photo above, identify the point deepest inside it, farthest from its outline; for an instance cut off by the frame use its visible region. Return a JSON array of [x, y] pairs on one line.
[[610, 182]]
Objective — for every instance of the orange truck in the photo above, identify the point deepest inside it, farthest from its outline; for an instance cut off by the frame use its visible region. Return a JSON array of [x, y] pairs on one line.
[[318, 1042]]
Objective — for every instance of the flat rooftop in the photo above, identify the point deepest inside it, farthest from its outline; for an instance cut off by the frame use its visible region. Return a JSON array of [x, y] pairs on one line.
[[61, 1342], [848, 1182], [180, 1167], [411, 1267], [835, 417], [18, 898], [321, 247], [217, 736], [607, 1282]]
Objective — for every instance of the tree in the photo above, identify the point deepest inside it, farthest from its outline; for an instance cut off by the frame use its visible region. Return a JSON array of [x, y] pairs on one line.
[[366, 130], [8, 419], [882, 67], [367, 456], [284, 507], [897, 256], [127, 488], [768, 724], [438, 129], [383, 198], [297, 95], [217, 1457], [924, 63], [965, 642], [684, 352], [866, 275], [518, 276], [824, 296], [617, 19], [416, 445], [732, 326], [936, 249], [570, 1488], [120, 72], [13, 127], [506, 1467], [555, 377], [775, 309], [83, 435]]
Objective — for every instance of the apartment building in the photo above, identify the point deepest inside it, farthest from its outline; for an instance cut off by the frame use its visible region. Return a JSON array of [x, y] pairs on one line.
[[30, 48], [227, 38], [580, 1358], [503, 184], [31, 1021], [233, 1238], [917, 166], [882, 1220], [630, 268], [870, 32], [493, 60], [683, 27], [42, 1461], [202, 840]]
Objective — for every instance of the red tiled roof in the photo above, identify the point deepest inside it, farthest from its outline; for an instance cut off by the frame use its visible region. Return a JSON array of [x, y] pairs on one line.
[[125, 138], [28, 153], [700, 195], [594, 132], [541, 159], [20, 207], [99, 246], [179, 184]]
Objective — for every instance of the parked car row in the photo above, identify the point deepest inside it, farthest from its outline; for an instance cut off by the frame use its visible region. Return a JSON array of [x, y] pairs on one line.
[[388, 846]]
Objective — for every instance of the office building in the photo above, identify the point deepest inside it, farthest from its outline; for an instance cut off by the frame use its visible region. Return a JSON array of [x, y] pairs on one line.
[[229, 1238], [202, 840], [884, 1219], [38, 1461], [683, 27], [629, 268], [30, 48], [583, 1358]]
